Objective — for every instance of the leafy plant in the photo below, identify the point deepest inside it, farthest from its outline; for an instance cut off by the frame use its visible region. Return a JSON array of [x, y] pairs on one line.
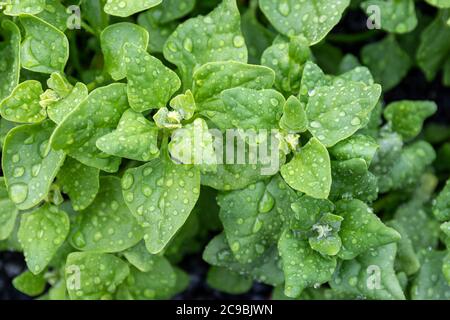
[[113, 170]]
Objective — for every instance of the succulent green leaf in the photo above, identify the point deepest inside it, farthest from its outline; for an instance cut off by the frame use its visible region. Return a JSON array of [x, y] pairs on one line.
[[294, 116], [56, 14], [353, 180], [369, 276], [161, 195], [143, 260], [150, 83], [15, 8], [357, 146], [113, 38], [310, 170], [228, 281], [30, 164], [406, 117], [135, 138], [439, 3], [361, 229], [336, 112], [265, 269], [211, 79], [387, 61], [312, 19], [29, 283], [194, 144], [107, 225], [441, 206], [215, 37], [150, 20], [79, 182], [253, 217], [398, 16], [325, 238], [126, 8], [430, 283], [184, 104], [41, 233], [303, 267], [407, 259], [434, 46], [246, 109], [287, 59], [58, 110], [95, 117], [307, 212], [8, 212], [93, 276], [43, 54], [23, 103], [10, 51]]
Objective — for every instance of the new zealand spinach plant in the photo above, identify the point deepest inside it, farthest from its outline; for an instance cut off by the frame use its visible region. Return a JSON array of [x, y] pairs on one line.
[[136, 133]]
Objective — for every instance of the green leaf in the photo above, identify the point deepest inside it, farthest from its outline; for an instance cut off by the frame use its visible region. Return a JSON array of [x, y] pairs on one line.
[[418, 224], [287, 59], [441, 206], [23, 103], [8, 212], [211, 79], [43, 54], [135, 138], [407, 259], [10, 51], [413, 161], [30, 164], [143, 260], [357, 146], [246, 109], [156, 284], [398, 16], [361, 229], [265, 269], [150, 83], [227, 281], [15, 8], [369, 276], [150, 20], [5, 127], [95, 15], [107, 225], [387, 61], [303, 267], [439, 3], [310, 170], [125, 8], [184, 104], [58, 110], [113, 38], [434, 45], [41, 233], [430, 283], [352, 179], [30, 284], [294, 116], [193, 144], [406, 117], [325, 238], [55, 14], [93, 276], [80, 182], [253, 217], [215, 37], [336, 112], [161, 195], [95, 117], [312, 19], [307, 212]]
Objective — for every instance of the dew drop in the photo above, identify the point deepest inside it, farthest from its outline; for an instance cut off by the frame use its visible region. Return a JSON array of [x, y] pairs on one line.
[[18, 192]]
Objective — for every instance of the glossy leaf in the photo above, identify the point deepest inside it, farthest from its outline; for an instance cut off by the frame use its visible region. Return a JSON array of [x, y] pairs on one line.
[[10, 51], [41, 233], [125, 8], [135, 138], [30, 164]]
